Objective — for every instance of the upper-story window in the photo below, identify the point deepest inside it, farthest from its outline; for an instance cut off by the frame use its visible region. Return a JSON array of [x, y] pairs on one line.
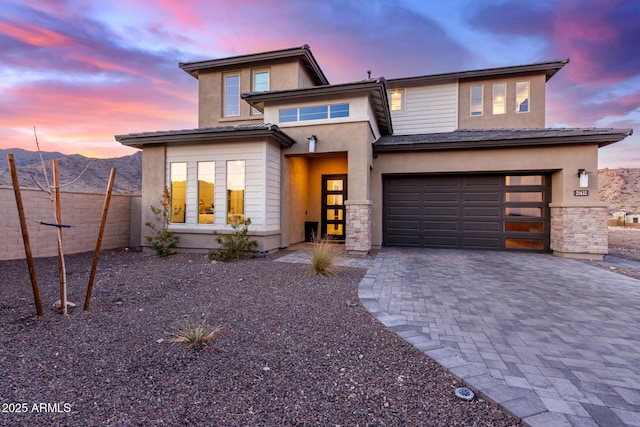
[[499, 98], [317, 112], [522, 97], [476, 100], [231, 95], [260, 84], [397, 100]]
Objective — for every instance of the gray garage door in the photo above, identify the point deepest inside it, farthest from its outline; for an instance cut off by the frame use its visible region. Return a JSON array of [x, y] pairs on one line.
[[467, 211]]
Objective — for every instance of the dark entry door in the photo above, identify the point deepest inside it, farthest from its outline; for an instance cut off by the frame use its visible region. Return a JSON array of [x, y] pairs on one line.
[[334, 194]]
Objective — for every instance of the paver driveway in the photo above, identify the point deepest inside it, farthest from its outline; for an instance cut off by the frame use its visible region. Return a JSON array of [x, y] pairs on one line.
[[554, 341]]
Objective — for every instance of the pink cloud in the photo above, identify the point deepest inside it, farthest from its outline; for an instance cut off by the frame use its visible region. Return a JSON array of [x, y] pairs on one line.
[[34, 35]]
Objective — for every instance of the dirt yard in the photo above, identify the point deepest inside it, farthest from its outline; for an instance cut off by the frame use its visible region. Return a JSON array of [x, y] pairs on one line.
[[621, 237]]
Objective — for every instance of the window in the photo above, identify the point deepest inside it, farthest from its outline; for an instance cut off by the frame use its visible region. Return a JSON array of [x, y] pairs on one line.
[[178, 176], [397, 98], [476, 100], [522, 97], [260, 84], [499, 98], [338, 110], [314, 113], [317, 112], [235, 191], [206, 192], [289, 115], [232, 95]]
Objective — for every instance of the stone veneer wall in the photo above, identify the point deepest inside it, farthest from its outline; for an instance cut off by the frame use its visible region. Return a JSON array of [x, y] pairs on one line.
[[358, 226], [579, 231]]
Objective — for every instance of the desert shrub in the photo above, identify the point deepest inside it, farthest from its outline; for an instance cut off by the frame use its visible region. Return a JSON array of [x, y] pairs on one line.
[[323, 257], [160, 239], [235, 244], [195, 334]]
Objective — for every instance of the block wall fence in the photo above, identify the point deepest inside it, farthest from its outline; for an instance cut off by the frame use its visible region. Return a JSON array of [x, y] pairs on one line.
[[82, 211]]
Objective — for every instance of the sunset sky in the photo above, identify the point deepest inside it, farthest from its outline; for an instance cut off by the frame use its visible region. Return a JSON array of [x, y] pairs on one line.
[[82, 71]]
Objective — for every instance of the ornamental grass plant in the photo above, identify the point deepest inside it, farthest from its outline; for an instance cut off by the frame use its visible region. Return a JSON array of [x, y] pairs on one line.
[[324, 257], [195, 334]]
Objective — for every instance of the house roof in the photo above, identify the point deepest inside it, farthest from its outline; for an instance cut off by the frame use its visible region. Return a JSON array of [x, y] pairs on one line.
[[496, 138], [185, 136], [376, 89], [550, 68], [303, 53]]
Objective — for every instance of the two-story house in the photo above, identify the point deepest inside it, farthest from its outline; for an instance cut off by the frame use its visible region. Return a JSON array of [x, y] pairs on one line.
[[456, 160]]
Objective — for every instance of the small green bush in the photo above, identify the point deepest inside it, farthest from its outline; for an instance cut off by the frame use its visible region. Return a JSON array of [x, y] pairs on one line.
[[233, 245], [323, 257], [161, 240]]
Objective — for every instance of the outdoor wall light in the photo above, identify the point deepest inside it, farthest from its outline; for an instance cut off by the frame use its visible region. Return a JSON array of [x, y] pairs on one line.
[[584, 178], [312, 143]]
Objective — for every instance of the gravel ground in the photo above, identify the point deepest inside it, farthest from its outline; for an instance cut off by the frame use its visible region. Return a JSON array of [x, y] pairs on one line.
[[626, 253], [297, 350]]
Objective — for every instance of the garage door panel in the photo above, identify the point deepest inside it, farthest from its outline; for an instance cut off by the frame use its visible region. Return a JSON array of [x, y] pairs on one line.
[[487, 212], [404, 225], [476, 242], [488, 197], [405, 197], [434, 197], [440, 211], [466, 211], [441, 225], [403, 240], [408, 210], [441, 242], [489, 226], [482, 180]]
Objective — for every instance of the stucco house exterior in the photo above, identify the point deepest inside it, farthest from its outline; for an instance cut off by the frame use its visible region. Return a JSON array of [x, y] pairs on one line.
[[456, 160]]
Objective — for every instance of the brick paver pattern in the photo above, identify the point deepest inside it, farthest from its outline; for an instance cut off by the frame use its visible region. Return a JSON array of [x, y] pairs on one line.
[[553, 341]]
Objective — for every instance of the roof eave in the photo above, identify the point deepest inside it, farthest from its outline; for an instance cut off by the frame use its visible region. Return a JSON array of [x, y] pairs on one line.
[[602, 140], [303, 52], [140, 140], [378, 86], [550, 68]]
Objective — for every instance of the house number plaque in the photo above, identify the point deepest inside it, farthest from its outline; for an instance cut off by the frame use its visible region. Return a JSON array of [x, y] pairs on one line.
[[581, 193]]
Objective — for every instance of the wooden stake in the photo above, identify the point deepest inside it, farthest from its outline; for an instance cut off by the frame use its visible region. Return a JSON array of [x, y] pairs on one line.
[[58, 217], [96, 253], [25, 234]]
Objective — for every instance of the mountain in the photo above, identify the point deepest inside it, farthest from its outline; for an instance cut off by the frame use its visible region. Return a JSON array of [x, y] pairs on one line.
[[94, 180], [620, 188]]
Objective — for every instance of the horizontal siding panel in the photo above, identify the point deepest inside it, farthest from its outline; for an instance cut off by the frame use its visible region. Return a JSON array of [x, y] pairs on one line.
[[428, 109]]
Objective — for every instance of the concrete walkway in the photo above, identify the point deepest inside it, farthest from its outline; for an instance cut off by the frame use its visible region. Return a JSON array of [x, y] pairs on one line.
[[553, 341]]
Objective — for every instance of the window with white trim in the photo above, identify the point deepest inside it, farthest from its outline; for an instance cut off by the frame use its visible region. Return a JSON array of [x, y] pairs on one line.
[[235, 191], [232, 95], [522, 97], [206, 192], [476, 100], [396, 98], [178, 177], [317, 112], [260, 84], [499, 98]]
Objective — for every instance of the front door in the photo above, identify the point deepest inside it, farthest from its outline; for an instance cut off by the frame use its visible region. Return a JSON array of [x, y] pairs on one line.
[[334, 193]]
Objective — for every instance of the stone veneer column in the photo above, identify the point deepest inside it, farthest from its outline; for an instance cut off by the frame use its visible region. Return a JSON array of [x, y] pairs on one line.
[[358, 239], [579, 231]]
